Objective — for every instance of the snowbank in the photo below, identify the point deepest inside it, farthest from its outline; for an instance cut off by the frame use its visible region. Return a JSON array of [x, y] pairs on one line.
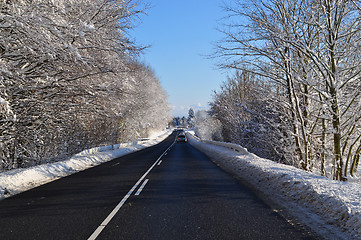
[[331, 208], [18, 180]]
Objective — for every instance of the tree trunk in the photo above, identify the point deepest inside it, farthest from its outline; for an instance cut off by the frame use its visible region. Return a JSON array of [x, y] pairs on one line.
[[332, 81], [355, 162], [338, 173], [323, 147], [290, 92]]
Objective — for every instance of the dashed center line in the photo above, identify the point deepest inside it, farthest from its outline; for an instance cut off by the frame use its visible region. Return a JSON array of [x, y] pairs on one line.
[[141, 187], [125, 198], [160, 162]]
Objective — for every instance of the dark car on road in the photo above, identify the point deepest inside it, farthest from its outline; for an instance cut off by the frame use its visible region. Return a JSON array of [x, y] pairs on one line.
[[181, 138]]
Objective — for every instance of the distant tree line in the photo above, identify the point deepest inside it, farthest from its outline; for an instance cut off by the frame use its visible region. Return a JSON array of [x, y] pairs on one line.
[[70, 79], [186, 122], [295, 96]]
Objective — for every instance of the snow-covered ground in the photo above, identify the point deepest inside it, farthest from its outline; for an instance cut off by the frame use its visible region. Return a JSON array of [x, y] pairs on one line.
[[331, 208], [18, 180]]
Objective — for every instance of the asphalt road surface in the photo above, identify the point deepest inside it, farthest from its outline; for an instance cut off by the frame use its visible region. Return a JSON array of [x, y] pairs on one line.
[[168, 191]]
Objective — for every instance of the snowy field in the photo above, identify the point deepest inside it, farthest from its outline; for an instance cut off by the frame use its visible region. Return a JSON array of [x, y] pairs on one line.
[[18, 180], [331, 208]]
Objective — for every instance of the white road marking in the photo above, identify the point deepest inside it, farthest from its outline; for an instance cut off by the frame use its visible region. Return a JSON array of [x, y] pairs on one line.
[[141, 187], [160, 162], [125, 198]]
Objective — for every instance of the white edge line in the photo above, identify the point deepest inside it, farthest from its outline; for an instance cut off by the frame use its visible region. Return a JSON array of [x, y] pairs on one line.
[[125, 198], [141, 187]]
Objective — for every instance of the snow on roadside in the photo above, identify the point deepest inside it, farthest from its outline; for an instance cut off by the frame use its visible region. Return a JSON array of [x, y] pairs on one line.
[[18, 180], [331, 208]]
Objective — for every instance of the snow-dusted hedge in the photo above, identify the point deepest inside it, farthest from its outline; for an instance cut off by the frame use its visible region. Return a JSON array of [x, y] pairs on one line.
[[334, 205]]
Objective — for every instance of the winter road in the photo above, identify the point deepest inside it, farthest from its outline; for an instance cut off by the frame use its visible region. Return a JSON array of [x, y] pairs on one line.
[[168, 191]]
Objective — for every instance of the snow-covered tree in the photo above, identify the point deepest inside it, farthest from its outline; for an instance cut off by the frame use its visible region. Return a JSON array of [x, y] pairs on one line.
[[191, 118], [176, 121], [309, 49], [147, 108], [207, 127], [250, 113], [66, 76]]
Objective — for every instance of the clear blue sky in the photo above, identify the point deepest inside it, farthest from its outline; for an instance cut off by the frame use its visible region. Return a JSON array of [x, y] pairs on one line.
[[181, 33]]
